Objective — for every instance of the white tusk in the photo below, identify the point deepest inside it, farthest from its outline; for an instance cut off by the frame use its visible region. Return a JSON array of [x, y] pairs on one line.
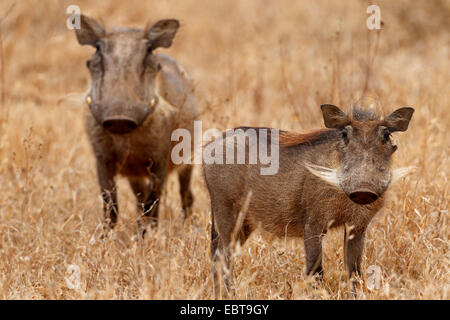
[[399, 173], [152, 102], [326, 174]]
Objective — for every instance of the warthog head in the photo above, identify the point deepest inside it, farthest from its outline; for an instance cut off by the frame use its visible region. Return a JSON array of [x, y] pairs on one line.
[[123, 71], [365, 149]]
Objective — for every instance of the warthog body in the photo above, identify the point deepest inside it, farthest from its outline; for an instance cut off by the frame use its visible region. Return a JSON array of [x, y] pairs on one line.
[[326, 178], [136, 98]]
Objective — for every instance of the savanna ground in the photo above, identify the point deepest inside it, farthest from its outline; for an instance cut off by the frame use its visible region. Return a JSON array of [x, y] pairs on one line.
[[263, 63]]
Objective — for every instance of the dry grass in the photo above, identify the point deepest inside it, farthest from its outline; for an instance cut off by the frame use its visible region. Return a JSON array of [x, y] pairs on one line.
[[267, 63]]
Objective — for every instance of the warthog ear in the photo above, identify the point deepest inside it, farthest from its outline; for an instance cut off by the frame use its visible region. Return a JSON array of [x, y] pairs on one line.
[[162, 33], [399, 119], [90, 31], [334, 117]]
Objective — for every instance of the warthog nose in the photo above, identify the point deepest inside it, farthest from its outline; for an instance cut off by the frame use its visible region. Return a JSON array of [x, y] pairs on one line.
[[363, 196], [119, 125]]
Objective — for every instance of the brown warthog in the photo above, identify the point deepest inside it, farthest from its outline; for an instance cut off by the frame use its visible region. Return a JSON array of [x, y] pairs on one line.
[[136, 98], [326, 178]]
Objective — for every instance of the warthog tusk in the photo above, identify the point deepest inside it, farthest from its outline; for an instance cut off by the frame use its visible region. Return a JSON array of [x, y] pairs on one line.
[[326, 174], [399, 173], [152, 102]]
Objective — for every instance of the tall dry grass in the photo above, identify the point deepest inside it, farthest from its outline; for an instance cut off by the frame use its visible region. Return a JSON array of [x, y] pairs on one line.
[[265, 63]]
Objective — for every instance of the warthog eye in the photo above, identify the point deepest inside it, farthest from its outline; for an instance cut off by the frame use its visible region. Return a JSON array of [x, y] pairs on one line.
[[96, 62], [149, 48], [149, 64], [344, 135], [387, 135], [147, 56]]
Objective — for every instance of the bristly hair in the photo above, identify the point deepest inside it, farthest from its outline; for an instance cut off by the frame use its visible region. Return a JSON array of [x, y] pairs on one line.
[[366, 109], [289, 139], [360, 114]]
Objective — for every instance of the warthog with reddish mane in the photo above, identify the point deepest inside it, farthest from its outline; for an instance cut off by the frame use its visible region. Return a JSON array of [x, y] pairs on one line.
[[326, 178]]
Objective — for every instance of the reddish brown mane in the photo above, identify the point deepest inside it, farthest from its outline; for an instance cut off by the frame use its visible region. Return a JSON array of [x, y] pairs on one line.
[[288, 139]]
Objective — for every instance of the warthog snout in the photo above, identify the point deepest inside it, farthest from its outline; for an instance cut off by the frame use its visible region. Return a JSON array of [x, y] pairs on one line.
[[120, 120], [120, 125], [363, 196]]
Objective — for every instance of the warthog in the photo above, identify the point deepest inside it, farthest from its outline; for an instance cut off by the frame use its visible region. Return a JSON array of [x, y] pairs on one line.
[[136, 98], [326, 178]]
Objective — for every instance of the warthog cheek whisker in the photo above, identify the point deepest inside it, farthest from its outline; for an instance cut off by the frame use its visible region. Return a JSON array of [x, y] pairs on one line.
[[399, 173], [326, 174]]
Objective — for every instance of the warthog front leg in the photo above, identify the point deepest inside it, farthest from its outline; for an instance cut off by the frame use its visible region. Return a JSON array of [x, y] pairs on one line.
[[184, 177], [149, 193], [108, 189], [313, 249], [147, 198], [353, 249], [150, 216]]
